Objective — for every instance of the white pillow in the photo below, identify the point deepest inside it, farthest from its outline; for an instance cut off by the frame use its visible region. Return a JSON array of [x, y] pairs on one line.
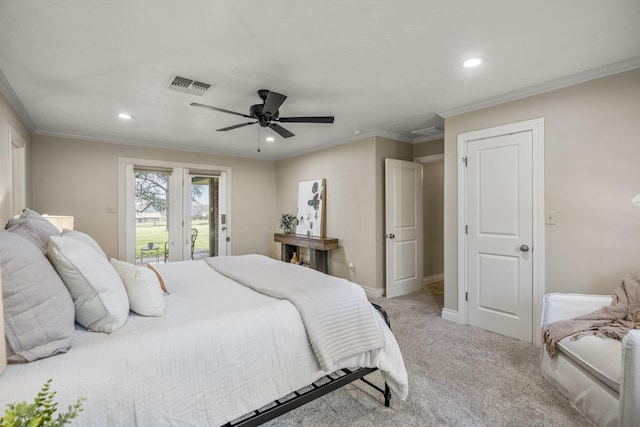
[[143, 288], [84, 238], [99, 297]]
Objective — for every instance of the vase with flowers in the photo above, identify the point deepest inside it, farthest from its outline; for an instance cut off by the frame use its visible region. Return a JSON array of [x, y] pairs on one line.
[[288, 222]]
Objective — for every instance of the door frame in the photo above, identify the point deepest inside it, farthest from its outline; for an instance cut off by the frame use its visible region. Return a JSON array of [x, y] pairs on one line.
[[126, 224], [536, 126]]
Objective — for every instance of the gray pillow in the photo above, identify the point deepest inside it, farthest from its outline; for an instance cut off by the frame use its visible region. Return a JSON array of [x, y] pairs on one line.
[[38, 310], [34, 227]]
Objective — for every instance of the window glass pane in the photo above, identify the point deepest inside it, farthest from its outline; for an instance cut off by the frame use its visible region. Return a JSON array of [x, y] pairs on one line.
[[204, 216], [152, 210]]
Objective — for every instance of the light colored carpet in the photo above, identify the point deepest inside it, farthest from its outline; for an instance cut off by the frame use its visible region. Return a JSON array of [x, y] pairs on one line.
[[458, 376]]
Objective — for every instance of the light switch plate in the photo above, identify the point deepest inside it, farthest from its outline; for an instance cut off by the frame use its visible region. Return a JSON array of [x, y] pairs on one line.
[[550, 218]]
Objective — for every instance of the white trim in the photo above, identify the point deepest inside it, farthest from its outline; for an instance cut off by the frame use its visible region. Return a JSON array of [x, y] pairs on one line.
[[536, 126], [432, 279], [573, 79], [420, 139], [127, 224], [429, 159], [156, 144], [450, 315], [17, 154], [372, 293]]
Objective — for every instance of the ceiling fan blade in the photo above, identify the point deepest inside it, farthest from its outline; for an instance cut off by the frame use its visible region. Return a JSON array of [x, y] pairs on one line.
[[236, 126], [319, 119], [222, 110], [272, 103], [281, 131]]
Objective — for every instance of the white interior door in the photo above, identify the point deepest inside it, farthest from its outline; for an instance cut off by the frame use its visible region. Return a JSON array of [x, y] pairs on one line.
[[403, 235], [500, 234]]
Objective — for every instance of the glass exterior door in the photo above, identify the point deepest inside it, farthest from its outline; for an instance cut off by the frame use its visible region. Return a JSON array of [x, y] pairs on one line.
[[151, 216]]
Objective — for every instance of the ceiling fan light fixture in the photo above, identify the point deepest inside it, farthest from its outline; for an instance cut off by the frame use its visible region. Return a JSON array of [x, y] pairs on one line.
[[270, 139], [472, 62]]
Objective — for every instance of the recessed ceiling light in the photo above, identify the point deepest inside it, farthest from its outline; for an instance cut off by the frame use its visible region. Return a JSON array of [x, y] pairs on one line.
[[125, 116], [270, 139], [473, 62]]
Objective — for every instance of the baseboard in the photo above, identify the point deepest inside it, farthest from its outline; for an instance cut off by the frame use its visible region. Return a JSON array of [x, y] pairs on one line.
[[433, 278], [371, 292], [450, 315]]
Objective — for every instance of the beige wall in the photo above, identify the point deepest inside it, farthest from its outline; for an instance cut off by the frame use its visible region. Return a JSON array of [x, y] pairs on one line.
[[80, 178], [433, 208], [8, 117], [592, 158], [433, 199], [354, 202], [428, 148]]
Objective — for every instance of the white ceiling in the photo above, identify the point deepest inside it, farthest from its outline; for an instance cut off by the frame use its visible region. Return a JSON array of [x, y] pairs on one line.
[[380, 67]]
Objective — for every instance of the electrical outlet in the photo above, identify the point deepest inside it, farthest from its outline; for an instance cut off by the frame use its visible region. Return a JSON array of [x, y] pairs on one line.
[[111, 209], [352, 267]]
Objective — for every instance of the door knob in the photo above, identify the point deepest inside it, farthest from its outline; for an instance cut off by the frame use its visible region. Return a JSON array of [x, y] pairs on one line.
[[391, 236], [524, 248]]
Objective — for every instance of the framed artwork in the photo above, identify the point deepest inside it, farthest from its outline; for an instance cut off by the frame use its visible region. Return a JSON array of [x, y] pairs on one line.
[[311, 209]]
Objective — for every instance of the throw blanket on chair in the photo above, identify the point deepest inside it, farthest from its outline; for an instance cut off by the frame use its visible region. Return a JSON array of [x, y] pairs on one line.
[[612, 321], [339, 319]]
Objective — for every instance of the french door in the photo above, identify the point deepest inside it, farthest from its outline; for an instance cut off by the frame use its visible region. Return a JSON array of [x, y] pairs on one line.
[[172, 211]]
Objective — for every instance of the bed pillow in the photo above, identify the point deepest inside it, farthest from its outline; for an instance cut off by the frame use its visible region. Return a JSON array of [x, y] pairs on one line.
[[84, 238], [99, 297], [35, 227], [162, 285], [38, 310], [143, 288]]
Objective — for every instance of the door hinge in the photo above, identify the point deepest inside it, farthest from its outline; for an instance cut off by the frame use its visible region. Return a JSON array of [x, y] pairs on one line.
[[464, 160], [466, 229], [466, 296]]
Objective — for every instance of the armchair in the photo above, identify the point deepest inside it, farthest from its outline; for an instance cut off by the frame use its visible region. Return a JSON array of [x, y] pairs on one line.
[[599, 376]]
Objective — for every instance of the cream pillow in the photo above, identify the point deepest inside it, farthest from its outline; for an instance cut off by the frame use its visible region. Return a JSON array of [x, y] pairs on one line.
[[143, 288], [99, 297]]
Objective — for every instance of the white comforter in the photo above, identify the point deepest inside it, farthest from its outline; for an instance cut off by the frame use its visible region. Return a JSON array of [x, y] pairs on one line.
[[220, 351]]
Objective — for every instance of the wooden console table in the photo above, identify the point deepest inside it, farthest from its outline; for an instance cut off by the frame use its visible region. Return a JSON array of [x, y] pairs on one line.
[[319, 248]]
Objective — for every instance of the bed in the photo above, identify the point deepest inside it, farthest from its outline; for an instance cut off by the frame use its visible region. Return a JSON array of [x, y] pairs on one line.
[[221, 350]]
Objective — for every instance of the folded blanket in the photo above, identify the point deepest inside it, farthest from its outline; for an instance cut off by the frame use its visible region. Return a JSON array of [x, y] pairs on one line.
[[612, 321], [338, 317]]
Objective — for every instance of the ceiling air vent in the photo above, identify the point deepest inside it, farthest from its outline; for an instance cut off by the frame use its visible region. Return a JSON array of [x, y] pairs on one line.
[[429, 132], [188, 86]]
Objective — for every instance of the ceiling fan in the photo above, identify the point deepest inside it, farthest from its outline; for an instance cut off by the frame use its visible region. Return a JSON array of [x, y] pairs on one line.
[[267, 113]]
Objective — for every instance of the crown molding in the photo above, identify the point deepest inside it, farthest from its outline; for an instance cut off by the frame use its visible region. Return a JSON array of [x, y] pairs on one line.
[[152, 144], [358, 137], [428, 138], [13, 100], [573, 79]]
